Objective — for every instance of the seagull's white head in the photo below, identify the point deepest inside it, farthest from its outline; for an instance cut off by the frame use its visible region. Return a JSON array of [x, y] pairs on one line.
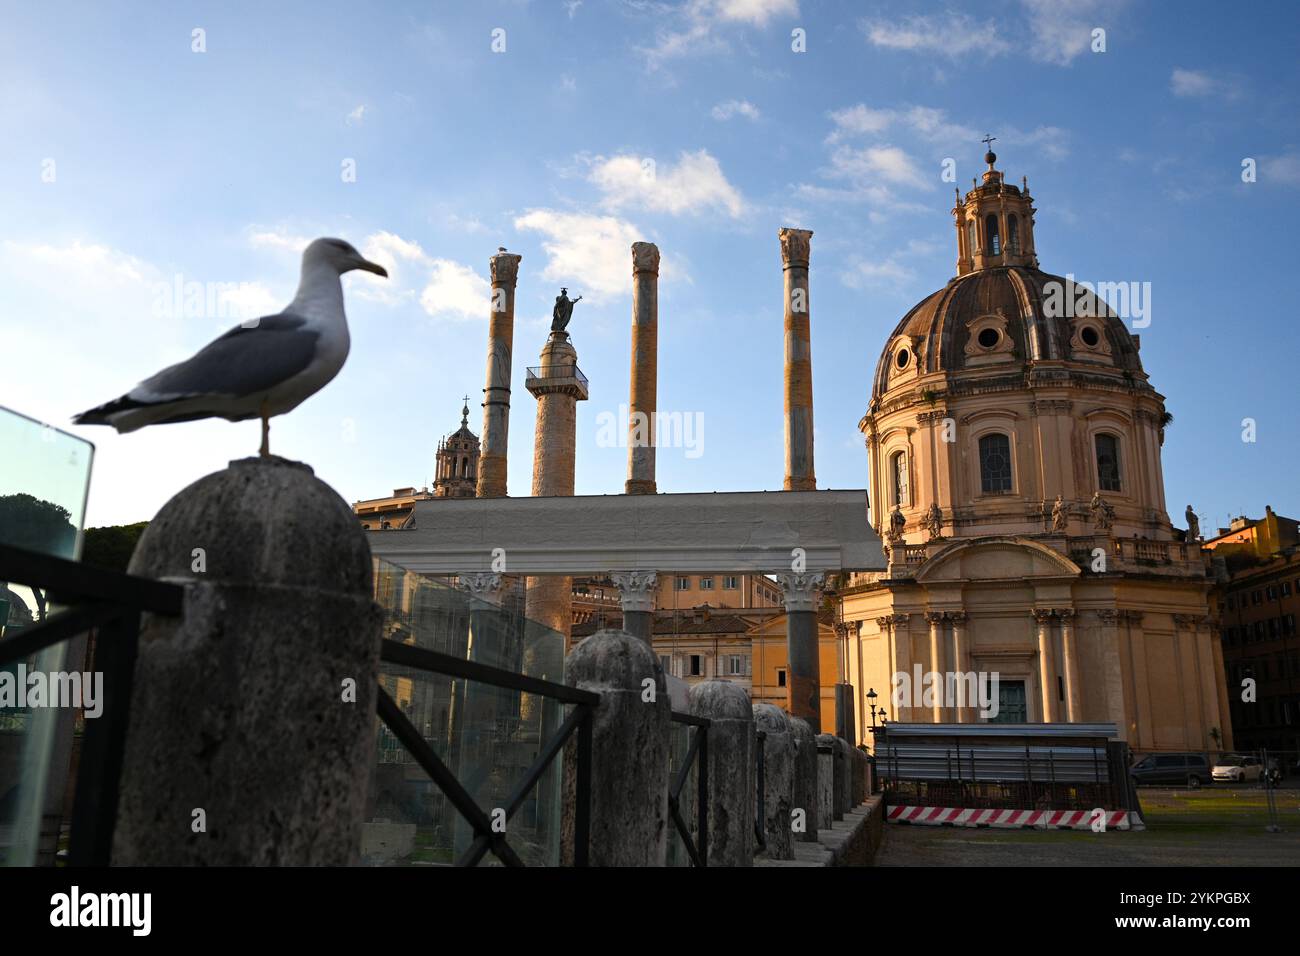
[[339, 255]]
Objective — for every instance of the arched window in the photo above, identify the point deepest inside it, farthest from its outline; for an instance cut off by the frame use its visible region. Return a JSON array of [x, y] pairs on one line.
[[992, 239], [1013, 234], [995, 463], [898, 476], [1108, 470]]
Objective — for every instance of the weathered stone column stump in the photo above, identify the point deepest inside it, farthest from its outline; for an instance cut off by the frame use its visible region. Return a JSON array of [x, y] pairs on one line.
[[731, 770], [778, 780], [805, 776], [629, 754], [245, 745]]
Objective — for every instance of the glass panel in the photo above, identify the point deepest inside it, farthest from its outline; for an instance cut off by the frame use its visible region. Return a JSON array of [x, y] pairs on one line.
[[44, 479], [487, 736]]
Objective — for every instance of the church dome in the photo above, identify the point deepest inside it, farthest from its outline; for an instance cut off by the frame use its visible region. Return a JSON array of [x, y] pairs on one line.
[[1009, 316]]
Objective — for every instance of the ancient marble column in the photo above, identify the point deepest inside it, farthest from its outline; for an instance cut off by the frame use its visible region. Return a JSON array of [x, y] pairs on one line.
[[937, 665], [799, 472], [496, 395], [965, 707], [778, 780], [558, 387], [1070, 650], [1046, 664], [645, 370], [803, 689], [732, 770], [636, 591]]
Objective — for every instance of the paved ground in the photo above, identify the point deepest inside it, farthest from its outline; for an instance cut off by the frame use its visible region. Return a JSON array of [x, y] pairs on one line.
[[1216, 826]]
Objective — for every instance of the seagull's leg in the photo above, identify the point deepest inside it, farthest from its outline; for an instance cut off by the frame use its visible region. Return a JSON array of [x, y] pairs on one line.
[[266, 433]]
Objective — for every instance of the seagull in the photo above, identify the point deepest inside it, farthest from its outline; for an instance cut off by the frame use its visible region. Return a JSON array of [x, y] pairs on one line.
[[259, 369]]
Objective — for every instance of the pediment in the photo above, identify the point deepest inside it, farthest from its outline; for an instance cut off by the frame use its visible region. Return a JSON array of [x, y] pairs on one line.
[[1001, 558]]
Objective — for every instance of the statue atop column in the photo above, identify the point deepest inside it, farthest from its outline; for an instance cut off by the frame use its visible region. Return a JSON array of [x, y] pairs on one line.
[[1193, 525], [563, 311]]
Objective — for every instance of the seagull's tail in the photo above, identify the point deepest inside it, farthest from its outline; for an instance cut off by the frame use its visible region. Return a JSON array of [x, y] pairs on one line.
[[106, 413]]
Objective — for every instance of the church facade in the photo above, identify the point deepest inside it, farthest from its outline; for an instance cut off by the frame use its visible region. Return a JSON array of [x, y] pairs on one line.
[[1014, 446]]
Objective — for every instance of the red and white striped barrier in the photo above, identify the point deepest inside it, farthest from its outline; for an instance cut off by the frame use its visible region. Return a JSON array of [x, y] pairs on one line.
[[1043, 819]]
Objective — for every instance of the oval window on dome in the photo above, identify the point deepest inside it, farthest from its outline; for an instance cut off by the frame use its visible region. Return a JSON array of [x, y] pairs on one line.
[[1090, 336], [902, 357], [988, 338]]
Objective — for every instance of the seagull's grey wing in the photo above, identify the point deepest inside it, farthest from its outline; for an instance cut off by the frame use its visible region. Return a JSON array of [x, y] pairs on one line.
[[244, 361]]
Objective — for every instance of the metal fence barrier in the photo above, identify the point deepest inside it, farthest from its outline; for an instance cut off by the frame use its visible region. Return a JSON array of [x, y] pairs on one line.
[[111, 603], [697, 756], [579, 720]]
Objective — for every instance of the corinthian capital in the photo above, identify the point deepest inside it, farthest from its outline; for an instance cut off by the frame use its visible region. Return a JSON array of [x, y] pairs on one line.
[[1042, 614], [505, 267], [795, 246], [636, 589], [800, 590], [645, 257], [481, 585]]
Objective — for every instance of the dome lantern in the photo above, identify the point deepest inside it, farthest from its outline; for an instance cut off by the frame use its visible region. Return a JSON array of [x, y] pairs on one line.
[[995, 222]]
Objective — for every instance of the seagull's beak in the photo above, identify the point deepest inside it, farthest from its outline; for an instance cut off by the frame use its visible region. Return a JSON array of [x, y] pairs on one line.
[[371, 267]]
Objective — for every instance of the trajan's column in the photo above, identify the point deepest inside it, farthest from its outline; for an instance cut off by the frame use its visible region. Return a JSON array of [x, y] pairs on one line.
[[496, 394], [558, 385]]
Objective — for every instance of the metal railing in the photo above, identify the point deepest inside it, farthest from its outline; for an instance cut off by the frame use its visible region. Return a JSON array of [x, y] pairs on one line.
[[111, 603], [579, 720], [697, 756], [542, 373]]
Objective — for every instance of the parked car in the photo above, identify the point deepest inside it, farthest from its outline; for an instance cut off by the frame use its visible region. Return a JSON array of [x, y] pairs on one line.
[[1234, 768], [1188, 769]]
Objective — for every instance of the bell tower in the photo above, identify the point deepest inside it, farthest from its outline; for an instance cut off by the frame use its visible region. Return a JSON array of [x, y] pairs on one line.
[[458, 459], [995, 222]]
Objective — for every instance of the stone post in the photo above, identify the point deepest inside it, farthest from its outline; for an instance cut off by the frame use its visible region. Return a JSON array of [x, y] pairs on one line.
[[645, 370], [827, 758], [496, 395], [558, 387], [636, 591], [629, 754], [257, 706], [805, 777], [1046, 664], [731, 770], [843, 778], [778, 780], [799, 472], [1070, 651], [804, 658]]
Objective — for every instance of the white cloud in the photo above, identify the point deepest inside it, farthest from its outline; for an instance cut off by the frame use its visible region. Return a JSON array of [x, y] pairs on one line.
[[1199, 83], [444, 288], [277, 239], [1190, 83], [571, 6], [927, 122], [725, 111], [756, 12], [887, 163], [695, 185], [1051, 30], [1283, 169], [888, 272], [357, 115], [587, 252], [695, 25], [951, 35]]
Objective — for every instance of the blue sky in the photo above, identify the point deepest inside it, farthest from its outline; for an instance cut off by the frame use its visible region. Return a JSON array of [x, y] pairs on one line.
[[133, 161]]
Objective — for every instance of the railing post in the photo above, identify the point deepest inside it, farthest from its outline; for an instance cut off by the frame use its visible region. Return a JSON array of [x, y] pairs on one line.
[[778, 785], [252, 718], [805, 777], [729, 764], [629, 753]]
